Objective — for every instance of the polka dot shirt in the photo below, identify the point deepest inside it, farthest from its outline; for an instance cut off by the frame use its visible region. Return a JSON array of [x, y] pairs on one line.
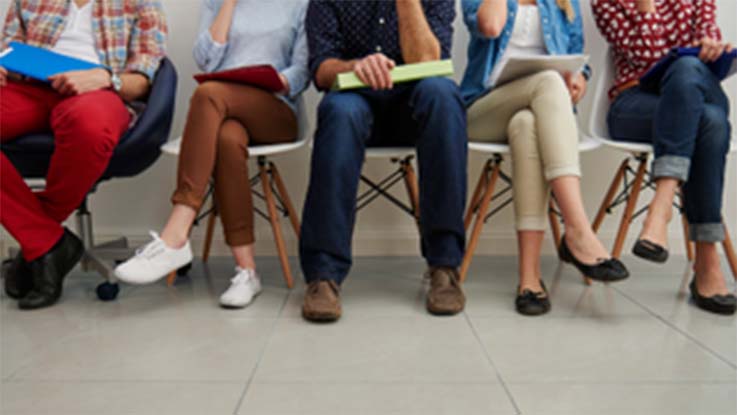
[[640, 39], [346, 29]]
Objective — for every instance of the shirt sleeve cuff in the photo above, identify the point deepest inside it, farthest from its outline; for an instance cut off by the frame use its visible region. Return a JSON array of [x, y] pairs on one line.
[[297, 78], [208, 52]]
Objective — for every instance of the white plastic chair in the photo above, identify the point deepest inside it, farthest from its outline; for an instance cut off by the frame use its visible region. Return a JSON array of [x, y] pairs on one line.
[[273, 193], [486, 193], [632, 180]]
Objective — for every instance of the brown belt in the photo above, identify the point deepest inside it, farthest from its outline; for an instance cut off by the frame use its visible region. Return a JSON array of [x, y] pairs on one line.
[[621, 88]]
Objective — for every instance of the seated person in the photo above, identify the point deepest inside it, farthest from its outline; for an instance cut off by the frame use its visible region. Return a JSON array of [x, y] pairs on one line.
[[87, 114], [685, 115], [535, 115], [371, 38], [224, 119]]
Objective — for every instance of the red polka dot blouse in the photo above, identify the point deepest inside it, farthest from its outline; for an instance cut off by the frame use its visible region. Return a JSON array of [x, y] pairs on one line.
[[641, 39]]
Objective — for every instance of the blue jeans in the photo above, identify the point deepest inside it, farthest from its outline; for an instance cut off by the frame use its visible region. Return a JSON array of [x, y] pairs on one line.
[[685, 115], [428, 114]]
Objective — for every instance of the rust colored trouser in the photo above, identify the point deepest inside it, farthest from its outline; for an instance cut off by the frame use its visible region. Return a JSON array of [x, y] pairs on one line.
[[223, 119]]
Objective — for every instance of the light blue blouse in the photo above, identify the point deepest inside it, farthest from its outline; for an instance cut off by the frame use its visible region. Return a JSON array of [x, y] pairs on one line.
[[561, 37], [263, 32]]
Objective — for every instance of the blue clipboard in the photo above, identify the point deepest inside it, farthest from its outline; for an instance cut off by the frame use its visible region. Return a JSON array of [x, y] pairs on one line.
[[39, 63], [722, 68]]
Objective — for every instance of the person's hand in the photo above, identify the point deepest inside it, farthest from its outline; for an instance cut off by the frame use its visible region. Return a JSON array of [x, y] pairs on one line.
[[284, 81], [576, 84], [80, 82], [646, 6], [3, 76], [712, 49], [375, 71]]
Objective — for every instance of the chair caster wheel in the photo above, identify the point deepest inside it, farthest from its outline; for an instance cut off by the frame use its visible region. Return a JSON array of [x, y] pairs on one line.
[[183, 271], [107, 291]]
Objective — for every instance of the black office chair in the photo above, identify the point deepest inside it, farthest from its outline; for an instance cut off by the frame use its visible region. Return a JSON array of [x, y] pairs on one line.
[[137, 150]]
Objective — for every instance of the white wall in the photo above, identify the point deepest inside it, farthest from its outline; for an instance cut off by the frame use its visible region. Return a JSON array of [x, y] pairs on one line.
[[132, 207]]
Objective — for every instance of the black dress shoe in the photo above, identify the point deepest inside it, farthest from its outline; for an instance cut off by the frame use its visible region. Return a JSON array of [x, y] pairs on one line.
[[650, 251], [48, 272], [719, 304], [17, 277], [531, 303], [606, 270]]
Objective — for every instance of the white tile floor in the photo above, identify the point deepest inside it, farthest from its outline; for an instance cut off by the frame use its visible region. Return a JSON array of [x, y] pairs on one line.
[[629, 349]]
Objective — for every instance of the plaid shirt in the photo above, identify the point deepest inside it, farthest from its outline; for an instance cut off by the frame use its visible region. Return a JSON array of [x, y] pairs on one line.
[[130, 35]]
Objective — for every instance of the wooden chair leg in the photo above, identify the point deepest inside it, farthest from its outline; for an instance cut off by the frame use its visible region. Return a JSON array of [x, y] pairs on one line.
[[275, 226], [285, 198], [630, 208], [477, 194], [687, 240], [171, 278], [209, 234], [479, 224], [410, 182], [554, 223], [730, 252], [610, 195]]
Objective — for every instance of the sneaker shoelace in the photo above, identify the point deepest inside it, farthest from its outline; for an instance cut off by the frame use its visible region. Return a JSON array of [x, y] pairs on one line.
[[153, 248], [242, 276]]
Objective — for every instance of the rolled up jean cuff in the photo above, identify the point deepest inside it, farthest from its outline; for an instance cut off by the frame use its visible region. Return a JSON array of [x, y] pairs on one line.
[[675, 167], [531, 223], [564, 171], [706, 232]]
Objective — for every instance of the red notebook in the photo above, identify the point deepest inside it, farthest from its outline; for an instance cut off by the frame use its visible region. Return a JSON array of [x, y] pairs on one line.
[[262, 76]]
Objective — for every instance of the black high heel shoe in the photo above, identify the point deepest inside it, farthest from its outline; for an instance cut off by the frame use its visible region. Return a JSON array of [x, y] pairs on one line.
[[719, 304], [606, 270], [650, 251]]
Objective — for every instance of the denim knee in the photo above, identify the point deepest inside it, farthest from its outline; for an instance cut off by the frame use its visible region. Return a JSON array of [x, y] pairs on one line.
[[442, 93], [714, 132], [344, 108], [687, 69]]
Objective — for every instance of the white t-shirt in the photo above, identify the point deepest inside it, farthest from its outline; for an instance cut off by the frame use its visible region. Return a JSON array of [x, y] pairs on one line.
[[77, 39], [526, 40]]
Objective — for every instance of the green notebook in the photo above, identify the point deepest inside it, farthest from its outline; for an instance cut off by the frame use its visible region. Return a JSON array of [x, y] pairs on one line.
[[403, 73]]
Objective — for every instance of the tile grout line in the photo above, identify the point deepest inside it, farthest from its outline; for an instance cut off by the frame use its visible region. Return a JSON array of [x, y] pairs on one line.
[[677, 329], [507, 391], [249, 382]]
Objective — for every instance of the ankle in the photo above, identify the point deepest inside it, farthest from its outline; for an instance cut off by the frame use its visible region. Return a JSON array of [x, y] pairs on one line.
[[174, 241], [530, 282]]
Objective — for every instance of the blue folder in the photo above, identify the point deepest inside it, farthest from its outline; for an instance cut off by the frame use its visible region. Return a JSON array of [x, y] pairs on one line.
[[722, 68], [39, 63]]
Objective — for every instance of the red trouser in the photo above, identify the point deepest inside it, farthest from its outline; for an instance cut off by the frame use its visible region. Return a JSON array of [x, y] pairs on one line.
[[86, 129]]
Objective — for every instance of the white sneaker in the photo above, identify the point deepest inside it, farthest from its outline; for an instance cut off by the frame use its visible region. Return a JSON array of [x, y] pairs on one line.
[[244, 287], [153, 262]]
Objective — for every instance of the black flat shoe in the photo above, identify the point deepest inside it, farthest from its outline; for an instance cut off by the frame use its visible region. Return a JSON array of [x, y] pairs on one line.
[[719, 304], [606, 270], [17, 277], [530, 303], [650, 251], [48, 272]]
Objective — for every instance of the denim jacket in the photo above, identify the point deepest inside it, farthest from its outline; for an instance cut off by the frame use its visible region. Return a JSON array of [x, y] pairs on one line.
[[561, 38]]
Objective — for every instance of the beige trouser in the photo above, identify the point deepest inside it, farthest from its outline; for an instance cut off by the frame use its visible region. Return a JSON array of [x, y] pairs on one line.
[[535, 116]]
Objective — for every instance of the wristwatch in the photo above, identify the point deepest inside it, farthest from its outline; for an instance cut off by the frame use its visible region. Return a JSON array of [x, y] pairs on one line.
[[117, 82]]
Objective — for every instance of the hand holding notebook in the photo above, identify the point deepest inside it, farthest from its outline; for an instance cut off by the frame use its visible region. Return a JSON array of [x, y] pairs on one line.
[[723, 68], [400, 74]]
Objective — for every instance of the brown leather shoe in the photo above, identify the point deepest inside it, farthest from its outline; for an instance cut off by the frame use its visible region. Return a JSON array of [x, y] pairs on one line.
[[322, 301], [446, 297]]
